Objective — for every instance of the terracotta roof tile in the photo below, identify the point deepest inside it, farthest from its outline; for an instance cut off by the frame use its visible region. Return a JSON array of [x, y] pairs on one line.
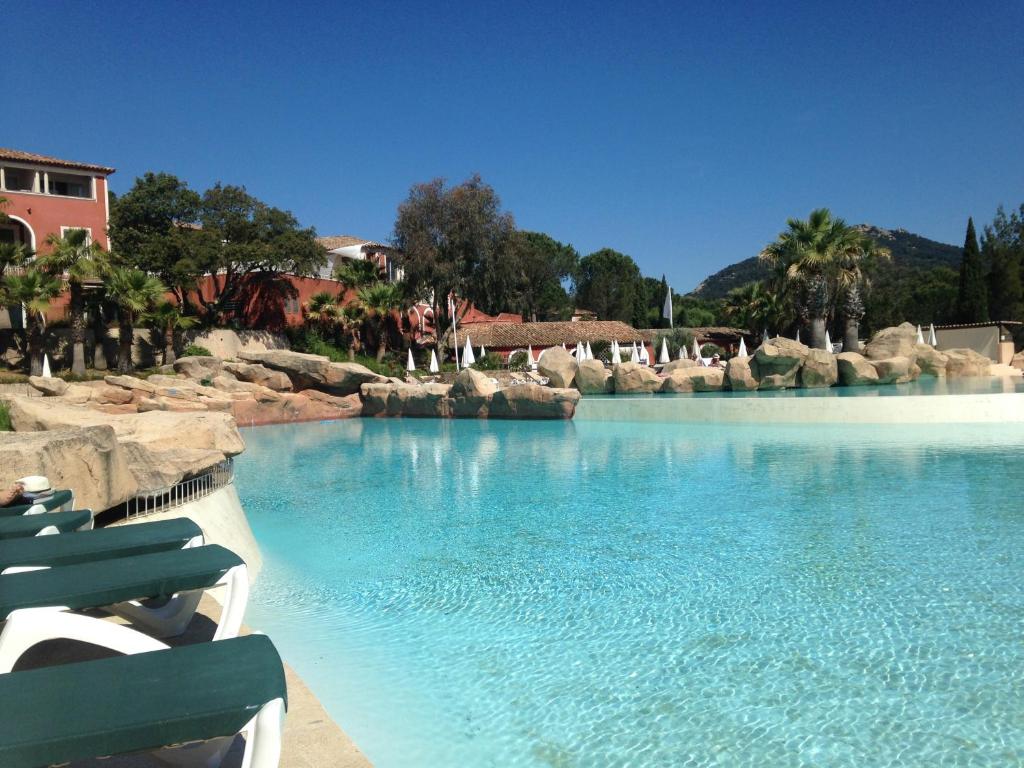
[[29, 157]]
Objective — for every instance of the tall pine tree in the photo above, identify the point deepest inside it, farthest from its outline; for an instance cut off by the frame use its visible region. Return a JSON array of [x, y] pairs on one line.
[[972, 298], [1002, 248]]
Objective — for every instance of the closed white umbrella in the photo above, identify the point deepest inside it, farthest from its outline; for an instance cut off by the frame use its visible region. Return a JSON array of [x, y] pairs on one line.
[[467, 354], [563, 346], [434, 367], [828, 341], [931, 335], [410, 365], [696, 350], [797, 335], [616, 355], [635, 355], [46, 367], [764, 338], [663, 356], [920, 336], [529, 358], [743, 348], [589, 352], [483, 352]]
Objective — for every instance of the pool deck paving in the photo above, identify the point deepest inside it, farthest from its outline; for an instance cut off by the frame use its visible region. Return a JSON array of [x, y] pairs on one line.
[[311, 738]]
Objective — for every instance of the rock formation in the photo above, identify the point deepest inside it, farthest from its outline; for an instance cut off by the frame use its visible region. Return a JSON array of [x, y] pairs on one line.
[[559, 366]]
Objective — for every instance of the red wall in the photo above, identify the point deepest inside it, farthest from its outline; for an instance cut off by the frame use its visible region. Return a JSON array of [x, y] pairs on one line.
[[46, 214]]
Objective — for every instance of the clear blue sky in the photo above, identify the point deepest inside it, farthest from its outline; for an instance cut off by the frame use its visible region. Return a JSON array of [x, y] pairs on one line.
[[681, 134]]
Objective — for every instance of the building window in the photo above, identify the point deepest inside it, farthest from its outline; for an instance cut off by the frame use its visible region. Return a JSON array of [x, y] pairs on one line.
[[291, 306], [87, 230], [18, 179], [70, 185]]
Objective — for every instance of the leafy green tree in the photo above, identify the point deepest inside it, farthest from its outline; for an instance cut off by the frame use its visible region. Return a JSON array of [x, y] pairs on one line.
[[1003, 249], [80, 260], [135, 293], [34, 290], [454, 241], [380, 301], [544, 268], [167, 319], [610, 284], [972, 299], [155, 227], [250, 239], [322, 310], [14, 255], [811, 252]]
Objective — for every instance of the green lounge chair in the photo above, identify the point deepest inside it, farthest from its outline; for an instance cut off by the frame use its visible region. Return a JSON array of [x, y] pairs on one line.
[[100, 544], [158, 592], [145, 701], [58, 501], [41, 525]]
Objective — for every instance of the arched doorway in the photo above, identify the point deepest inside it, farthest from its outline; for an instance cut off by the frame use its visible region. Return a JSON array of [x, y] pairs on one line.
[[18, 232]]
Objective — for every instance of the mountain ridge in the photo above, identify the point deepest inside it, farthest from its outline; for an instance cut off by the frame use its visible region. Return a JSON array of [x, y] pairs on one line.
[[909, 251]]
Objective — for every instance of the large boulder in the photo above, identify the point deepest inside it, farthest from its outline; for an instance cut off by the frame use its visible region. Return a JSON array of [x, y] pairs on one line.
[[471, 393], [315, 371], [137, 385], [89, 460], [49, 386], [895, 370], [259, 374], [739, 375], [593, 378], [634, 378], [532, 401], [558, 365], [930, 360], [163, 446], [777, 362], [819, 370], [1018, 360], [675, 365], [473, 383], [855, 370], [966, 362], [896, 341], [420, 400], [308, 405], [198, 367], [699, 379]]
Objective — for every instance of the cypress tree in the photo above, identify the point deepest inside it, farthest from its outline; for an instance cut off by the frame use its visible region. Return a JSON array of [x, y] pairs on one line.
[[972, 298]]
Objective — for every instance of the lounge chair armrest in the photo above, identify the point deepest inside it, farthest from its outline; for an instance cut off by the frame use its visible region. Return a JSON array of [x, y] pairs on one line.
[[28, 627]]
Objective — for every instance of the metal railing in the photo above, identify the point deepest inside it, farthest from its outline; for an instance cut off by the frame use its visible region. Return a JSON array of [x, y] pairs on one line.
[[183, 493]]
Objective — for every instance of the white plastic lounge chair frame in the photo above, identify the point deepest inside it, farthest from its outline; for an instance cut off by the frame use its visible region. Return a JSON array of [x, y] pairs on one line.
[[27, 627]]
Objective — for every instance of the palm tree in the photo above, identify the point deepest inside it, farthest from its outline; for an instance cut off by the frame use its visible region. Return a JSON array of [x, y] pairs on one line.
[[355, 274], [351, 317], [322, 309], [811, 251], [135, 293], [166, 317], [380, 300], [743, 306], [14, 255], [73, 255], [33, 290], [854, 275]]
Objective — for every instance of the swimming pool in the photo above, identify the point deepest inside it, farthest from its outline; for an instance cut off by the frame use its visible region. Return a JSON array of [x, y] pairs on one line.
[[608, 594]]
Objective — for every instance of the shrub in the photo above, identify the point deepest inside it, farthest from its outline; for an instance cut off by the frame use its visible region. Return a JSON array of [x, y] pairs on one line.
[[5, 418], [492, 361], [194, 350], [677, 338], [517, 361], [710, 350]]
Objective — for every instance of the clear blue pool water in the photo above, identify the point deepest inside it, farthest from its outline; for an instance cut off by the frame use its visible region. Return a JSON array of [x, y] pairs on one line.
[[612, 594]]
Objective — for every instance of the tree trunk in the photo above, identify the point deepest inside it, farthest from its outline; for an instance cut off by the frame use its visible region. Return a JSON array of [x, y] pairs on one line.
[[125, 337], [817, 333], [34, 343], [169, 355], [77, 330], [851, 334], [382, 343]]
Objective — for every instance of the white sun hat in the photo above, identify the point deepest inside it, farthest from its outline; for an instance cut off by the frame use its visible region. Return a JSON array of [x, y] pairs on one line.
[[35, 484]]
